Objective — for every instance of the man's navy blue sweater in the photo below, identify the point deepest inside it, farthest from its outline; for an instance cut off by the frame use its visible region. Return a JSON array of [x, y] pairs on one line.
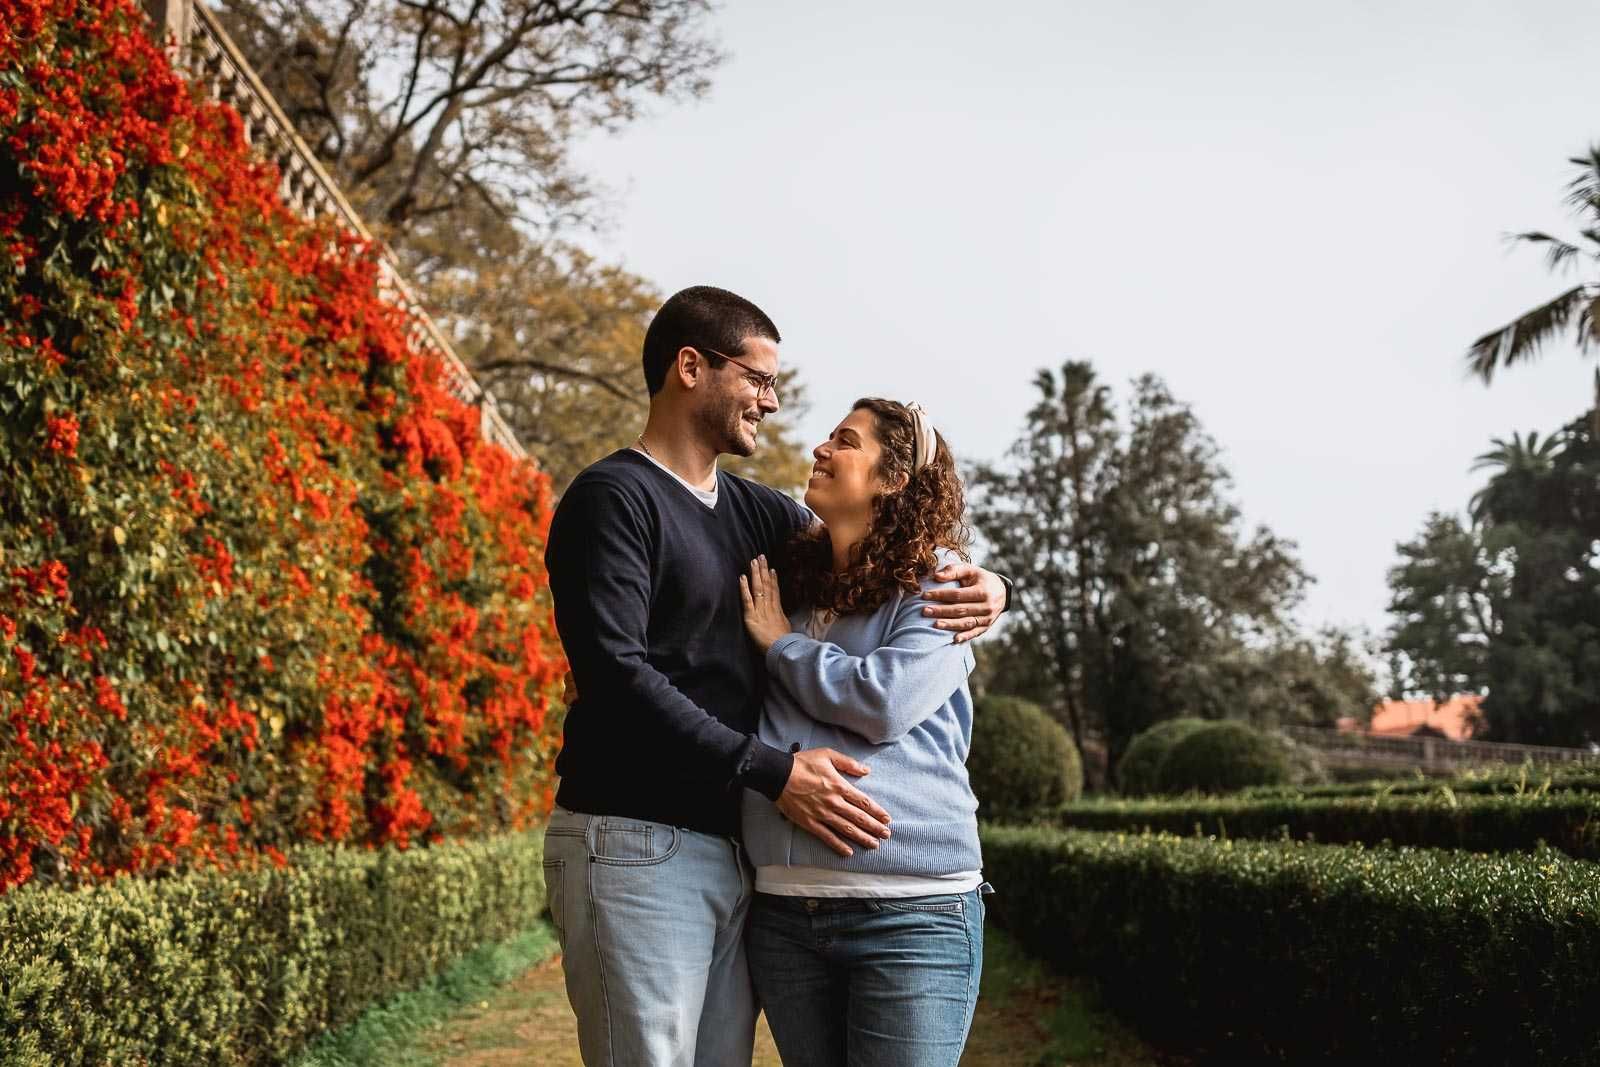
[[670, 688]]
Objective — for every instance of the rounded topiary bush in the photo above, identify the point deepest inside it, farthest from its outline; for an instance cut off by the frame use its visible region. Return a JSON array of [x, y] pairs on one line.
[[1224, 756], [1022, 761], [1139, 770]]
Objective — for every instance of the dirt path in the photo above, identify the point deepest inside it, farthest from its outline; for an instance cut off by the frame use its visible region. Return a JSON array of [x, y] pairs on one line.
[[529, 1022], [1026, 1018]]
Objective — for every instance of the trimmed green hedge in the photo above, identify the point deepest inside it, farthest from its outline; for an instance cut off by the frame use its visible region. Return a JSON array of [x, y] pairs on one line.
[[247, 967], [1478, 823], [1579, 779], [1255, 951]]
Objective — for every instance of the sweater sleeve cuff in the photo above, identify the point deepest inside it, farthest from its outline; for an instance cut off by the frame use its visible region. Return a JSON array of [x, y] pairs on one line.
[[765, 769], [775, 653]]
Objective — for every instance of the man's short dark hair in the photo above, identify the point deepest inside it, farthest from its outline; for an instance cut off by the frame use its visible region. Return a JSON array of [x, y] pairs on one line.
[[701, 316]]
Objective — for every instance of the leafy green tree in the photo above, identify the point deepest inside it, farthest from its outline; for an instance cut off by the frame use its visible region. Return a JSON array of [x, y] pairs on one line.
[[1544, 664], [1141, 597], [1510, 606], [1012, 660], [1312, 679], [1576, 308], [1445, 596], [1040, 516]]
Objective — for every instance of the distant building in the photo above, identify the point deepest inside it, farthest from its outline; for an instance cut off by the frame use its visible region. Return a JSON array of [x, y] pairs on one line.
[[1457, 719]]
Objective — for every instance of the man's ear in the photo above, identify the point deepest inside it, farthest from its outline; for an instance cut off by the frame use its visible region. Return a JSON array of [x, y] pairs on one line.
[[689, 367]]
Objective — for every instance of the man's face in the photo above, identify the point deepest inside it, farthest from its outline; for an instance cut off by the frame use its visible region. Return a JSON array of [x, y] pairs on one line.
[[733, 405]]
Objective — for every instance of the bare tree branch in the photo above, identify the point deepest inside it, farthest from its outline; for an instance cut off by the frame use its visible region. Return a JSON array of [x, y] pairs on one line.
[[384, 89], [523, 363]]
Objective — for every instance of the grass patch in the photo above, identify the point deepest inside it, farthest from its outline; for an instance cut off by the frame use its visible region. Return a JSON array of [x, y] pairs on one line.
[[1028, 1016], [387, 1035]]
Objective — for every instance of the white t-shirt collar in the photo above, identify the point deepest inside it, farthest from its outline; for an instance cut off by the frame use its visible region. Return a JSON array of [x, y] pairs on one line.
[[708, 497]]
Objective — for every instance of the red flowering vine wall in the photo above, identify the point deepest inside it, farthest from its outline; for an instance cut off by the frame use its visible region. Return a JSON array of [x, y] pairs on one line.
[[260, 580]]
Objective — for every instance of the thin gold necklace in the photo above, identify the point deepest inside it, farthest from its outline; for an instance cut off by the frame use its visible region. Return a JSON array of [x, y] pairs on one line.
[[646, 450]]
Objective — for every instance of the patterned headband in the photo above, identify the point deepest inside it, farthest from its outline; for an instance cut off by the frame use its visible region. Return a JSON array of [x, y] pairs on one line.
[[927, 441]]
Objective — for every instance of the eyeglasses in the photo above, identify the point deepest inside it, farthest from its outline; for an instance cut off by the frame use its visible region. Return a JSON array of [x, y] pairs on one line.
[[761, 381]]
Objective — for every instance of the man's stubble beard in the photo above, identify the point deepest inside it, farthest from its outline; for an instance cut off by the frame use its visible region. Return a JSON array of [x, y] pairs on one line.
[[721, 425]]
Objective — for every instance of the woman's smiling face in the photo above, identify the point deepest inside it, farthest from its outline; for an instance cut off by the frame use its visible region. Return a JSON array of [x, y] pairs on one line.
[[844, 478]]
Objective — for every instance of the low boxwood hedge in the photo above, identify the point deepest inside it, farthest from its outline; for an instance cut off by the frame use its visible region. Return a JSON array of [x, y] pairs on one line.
[[246, 967], [1287, 952], [1476, 822], [1579, 779]]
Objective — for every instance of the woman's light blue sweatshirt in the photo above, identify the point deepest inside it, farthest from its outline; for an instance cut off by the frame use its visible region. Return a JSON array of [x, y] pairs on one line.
[[891, 691]]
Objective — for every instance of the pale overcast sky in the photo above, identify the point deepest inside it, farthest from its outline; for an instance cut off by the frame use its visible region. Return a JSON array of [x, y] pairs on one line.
[[1293, 212]]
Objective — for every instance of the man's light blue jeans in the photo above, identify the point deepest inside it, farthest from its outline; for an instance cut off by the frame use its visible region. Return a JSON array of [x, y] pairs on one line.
[[651, 921], [868, 983]]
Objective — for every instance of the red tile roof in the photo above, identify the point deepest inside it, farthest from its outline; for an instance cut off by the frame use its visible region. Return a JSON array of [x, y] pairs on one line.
[[1457, 718]]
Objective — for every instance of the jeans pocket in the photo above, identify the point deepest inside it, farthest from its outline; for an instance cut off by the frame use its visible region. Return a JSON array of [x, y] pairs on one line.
[[554, 875], [631, 843], [565, 824]]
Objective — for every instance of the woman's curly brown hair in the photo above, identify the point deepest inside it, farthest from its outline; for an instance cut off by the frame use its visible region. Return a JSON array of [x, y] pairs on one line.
[[907, 526]]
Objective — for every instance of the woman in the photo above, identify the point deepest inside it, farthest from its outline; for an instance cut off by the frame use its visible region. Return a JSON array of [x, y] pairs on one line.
[[871, 958]]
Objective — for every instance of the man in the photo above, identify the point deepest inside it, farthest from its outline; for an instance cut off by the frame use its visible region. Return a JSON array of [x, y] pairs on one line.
[[647, 883]]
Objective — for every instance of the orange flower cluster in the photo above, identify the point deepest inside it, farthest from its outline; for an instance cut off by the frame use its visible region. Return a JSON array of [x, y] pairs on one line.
[[284, 591], [61, 435]]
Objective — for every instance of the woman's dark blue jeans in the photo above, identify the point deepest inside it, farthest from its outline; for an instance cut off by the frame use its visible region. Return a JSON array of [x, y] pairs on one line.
[[868, 983]]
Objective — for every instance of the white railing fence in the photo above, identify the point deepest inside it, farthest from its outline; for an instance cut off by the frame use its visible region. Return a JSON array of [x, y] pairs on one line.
[[211, 58]]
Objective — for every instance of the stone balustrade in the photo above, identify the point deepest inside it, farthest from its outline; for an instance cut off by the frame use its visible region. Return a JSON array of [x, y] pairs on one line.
[[204, 50]]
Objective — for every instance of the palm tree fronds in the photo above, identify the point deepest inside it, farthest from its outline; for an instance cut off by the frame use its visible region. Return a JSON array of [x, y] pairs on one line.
[[1594, 416], [1520, 453], [1557, 254], [1588, 327], [1492, 458], [1584, 190], [1520, 340], [1521, 459]]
